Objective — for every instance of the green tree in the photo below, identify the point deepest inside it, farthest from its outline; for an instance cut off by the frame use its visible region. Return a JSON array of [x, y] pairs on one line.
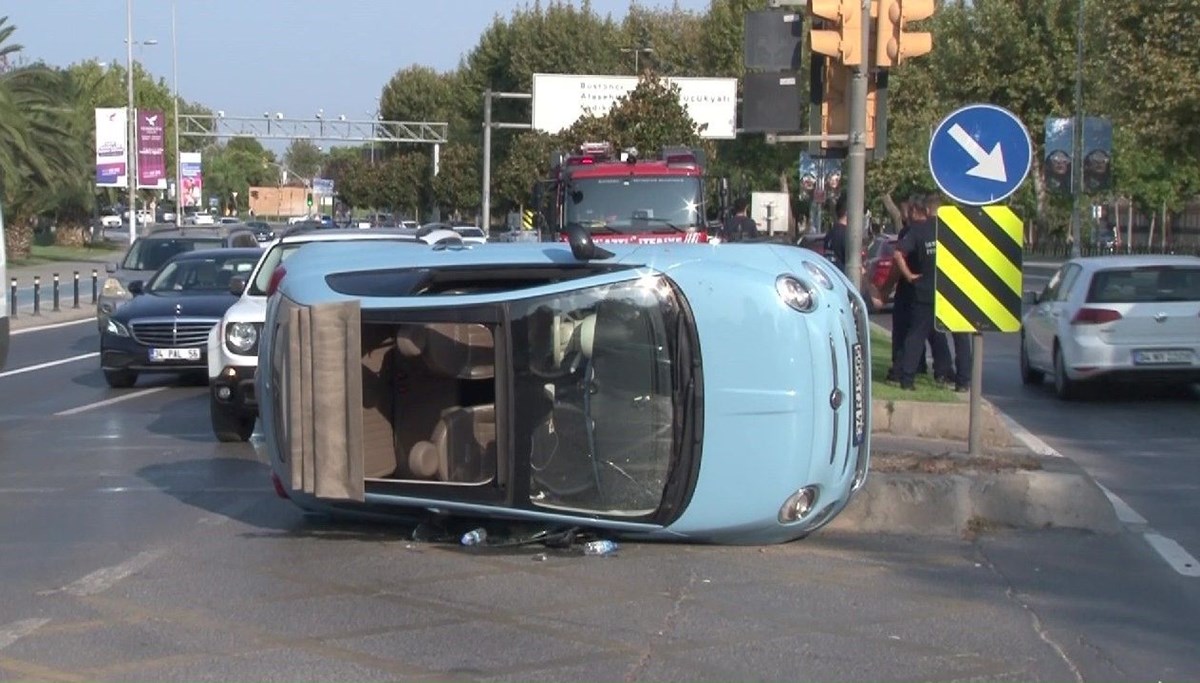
[[36, 149], [303, 157], [457, 185]]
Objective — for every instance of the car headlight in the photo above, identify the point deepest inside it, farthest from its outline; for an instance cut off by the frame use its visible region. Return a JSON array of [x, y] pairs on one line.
[[798, 504], [115, 328], [242, 338], [819, 275], [796, 293], [113, 289]]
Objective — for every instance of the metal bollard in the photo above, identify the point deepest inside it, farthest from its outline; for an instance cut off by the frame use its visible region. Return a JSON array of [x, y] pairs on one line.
[[75, 303], [37, 294], [12, 300], [56, 296], [93, 285]]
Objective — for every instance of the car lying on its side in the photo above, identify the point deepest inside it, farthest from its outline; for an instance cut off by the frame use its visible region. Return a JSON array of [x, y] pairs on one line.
[[1128, 318], [673, 391], [233, 343], [164, 327]]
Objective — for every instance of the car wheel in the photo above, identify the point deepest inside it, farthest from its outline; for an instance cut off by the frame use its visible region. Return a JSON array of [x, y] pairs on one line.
[[1065, 387], [1028, 374], [120, 379], [228, 425]]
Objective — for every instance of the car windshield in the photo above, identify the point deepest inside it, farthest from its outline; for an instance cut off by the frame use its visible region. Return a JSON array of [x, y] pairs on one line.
[[634, 203], [1145, 285], [151, 254], [210, 274], [595, 399]]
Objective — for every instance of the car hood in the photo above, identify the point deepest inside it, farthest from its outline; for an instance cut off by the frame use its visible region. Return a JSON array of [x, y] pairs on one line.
[[151, 305]]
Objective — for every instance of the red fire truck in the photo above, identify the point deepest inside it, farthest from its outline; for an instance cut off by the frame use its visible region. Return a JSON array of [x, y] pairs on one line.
[[623, 198]]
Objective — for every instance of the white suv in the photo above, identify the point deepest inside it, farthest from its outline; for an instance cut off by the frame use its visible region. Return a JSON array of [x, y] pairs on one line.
[[233, 343]]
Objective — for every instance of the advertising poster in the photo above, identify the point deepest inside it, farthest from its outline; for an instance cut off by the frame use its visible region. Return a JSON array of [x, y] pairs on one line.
[[559, 100], [112, 132], [151, 151], [193, 180]]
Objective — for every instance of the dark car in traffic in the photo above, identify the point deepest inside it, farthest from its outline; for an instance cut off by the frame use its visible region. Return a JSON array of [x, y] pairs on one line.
[[165, 326]]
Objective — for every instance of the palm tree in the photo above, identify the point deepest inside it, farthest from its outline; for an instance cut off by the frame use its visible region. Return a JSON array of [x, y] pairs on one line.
[[37, 150]]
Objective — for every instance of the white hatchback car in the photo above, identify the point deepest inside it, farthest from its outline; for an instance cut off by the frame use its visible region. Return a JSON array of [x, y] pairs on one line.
[[1128, 318], [233, 343]]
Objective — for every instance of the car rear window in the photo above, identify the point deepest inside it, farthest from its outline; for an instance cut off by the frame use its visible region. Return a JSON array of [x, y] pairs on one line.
[[1145, 285], [151, 254]]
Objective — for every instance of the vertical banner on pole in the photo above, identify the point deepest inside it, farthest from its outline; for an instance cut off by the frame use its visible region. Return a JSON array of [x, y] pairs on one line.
[[151, 159], [193, 179], [111, 147]]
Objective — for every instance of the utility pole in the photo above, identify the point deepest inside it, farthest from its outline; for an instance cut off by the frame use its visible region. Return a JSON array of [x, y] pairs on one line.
[[1077, 140], [131, 124], [175, 79], [856, 158]]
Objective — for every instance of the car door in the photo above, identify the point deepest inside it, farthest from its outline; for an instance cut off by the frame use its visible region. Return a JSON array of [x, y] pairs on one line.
[[1041, 324]]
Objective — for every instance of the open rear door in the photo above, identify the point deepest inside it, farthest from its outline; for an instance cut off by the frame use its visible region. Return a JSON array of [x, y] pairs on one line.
[[324, 400]]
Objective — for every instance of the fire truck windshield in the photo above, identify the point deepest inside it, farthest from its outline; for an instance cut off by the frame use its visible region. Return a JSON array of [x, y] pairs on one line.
[[634, 203]]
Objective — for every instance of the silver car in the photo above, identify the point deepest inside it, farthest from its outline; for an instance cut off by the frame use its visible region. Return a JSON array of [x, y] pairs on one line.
[[1128, 318]]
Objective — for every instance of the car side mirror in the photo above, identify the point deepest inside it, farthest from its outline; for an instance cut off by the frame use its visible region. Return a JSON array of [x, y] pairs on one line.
[[1029, 298], [136, 287], [582, 246], [237, 285], [110, 267]]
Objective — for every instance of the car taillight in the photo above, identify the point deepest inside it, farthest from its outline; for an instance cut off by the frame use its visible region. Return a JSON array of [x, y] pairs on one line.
[[1095, 316], [276, 278]]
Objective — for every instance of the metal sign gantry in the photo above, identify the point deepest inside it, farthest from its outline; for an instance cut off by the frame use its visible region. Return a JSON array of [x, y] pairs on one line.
[[277, 127]]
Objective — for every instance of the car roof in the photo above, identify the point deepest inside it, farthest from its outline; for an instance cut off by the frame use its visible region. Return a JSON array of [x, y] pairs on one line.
[[1094, 263], [315, 234], [199, 254]]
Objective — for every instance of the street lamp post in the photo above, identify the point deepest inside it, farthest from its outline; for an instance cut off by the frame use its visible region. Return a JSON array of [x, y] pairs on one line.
[[175, 79], [636, 52], [131, 124]]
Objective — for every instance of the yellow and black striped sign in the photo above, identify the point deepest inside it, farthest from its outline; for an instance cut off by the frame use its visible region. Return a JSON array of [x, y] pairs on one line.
[[978, 257], [527, 219]]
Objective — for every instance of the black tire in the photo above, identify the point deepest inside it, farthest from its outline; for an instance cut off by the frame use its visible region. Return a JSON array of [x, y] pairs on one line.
[[120, 379], [228, 426], [1029, 376], [1066, 388]]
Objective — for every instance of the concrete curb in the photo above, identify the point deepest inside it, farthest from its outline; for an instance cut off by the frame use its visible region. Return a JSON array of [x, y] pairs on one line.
[[1060, 495], [939, 421]]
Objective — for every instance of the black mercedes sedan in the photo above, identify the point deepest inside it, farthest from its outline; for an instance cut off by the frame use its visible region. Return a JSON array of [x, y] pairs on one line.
[[165, 326]]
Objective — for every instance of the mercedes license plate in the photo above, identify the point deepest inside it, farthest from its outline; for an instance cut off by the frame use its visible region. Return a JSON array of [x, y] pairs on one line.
[[859, 389], [1164, 357], [175, 354]]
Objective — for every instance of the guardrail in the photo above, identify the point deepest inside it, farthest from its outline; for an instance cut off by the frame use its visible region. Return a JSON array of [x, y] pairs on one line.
[[56, 293], [1062, 251]]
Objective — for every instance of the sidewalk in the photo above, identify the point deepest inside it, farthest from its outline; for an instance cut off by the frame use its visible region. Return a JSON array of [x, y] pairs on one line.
[[22, 316]]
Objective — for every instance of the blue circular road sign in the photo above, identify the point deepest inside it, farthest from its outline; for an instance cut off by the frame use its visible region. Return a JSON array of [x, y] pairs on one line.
[[980, 154]]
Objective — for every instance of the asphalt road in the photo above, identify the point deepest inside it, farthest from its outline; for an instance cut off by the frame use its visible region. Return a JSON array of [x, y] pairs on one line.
[[133, 546]]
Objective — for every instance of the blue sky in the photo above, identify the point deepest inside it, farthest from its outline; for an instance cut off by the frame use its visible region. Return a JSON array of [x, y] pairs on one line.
[[293, 56]]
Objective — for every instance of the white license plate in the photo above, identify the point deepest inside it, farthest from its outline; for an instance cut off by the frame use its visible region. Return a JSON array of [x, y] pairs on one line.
[[1171, 357], [175, 354], [859, 408]]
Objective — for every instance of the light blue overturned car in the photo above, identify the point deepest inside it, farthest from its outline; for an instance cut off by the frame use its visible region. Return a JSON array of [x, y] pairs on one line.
[[693, 392]]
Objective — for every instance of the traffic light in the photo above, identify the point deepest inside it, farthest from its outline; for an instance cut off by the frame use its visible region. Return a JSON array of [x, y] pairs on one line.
[[893, 42], [841, 37], [310, 200], [835, 109]]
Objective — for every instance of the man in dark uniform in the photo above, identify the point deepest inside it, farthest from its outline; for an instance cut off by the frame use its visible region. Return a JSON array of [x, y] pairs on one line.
[[914, 258], [835, 239], [740, 227]]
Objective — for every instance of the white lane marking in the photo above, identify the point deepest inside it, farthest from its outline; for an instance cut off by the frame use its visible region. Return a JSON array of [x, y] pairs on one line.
[[103, 579], [49, 364], [1126, 514], [1031, 440], [52, 326], [110, 401], [18, 630], [1174, 554]]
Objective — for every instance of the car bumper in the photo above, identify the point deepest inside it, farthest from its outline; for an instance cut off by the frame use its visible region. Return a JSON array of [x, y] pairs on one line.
[[233, 388], [123, 353], [1095, 359]]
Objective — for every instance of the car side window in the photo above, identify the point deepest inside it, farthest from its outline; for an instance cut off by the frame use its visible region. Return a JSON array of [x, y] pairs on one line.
[[1050, 292], [245, 240], [1070, 277]]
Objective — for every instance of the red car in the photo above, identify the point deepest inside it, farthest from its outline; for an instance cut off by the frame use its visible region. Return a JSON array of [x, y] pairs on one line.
[[878, 262]]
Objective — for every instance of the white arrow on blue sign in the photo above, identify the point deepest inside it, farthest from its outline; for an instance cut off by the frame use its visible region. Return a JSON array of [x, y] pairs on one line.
[[980, 154]]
